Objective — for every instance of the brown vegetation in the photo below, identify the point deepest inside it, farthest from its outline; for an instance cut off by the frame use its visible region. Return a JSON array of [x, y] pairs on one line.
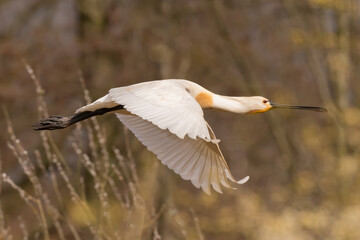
[[96, 181]]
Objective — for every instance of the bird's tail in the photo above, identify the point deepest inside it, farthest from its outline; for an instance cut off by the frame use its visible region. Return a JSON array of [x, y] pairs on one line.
[[60, 122]]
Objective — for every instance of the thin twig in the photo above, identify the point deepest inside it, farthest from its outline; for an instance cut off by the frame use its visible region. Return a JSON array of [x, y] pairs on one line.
[[197, 225], [42, 110]]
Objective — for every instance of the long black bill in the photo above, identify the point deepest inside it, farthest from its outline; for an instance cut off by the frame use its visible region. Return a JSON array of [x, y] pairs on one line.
[[310, 108]]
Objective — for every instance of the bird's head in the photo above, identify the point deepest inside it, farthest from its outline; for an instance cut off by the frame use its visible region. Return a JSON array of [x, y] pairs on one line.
[[260, 104], [257, 104]]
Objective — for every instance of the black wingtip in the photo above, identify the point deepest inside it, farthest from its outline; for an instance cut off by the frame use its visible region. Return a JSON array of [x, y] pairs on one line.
[[59, 122], [52, 123]]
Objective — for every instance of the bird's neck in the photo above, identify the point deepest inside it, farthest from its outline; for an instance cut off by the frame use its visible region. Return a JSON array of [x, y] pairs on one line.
[[230, 104], [207, 99]]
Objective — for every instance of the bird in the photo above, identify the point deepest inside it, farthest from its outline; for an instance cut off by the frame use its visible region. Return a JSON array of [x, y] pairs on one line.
[[167, 117]]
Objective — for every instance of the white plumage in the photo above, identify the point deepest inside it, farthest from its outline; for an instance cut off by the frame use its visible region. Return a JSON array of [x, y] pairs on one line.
[[197, 160], [169, 121], [165, 104], [167, 117]]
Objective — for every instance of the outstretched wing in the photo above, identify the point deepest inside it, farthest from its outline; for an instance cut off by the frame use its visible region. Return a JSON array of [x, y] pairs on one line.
[[171, 124], [197, 160], [166, 104]]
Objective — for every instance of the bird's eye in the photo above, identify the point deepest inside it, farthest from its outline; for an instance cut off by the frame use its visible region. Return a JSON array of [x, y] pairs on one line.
[[265, 101]]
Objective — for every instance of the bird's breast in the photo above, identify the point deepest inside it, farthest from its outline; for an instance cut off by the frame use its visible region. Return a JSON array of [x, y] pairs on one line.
[[204, 99]]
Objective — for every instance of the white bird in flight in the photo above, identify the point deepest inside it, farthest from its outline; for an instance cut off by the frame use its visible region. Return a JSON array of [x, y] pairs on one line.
[[167, 117]]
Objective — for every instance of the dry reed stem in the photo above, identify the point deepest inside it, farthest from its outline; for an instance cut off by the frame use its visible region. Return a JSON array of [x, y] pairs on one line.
[[92, 143], [126, 175], [23, 158], [174, 214], [42, 199], [132, 189], [73, 230], [41, 204], [130, 157], [197, 224], [59, 230], [47, 142], [126, 200], [99, 187], [42, 110], [23, 229], [55, 215], [152, 222], [55, 185], [31, 201], [117, 172], [156, 233], [3, 231], [111, 181], [39, 161], [116, 192], [99, 133], [84, 88], [102, 164], [74, 195]]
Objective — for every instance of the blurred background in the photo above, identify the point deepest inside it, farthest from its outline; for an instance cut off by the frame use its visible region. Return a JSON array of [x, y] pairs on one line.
[[96, 181]]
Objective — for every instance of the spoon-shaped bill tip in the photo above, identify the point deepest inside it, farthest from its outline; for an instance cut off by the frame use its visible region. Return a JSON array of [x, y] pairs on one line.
[[310, 108]]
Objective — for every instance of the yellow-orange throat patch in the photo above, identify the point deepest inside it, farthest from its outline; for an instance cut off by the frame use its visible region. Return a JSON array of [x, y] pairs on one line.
[[262, 110], [204, 99]]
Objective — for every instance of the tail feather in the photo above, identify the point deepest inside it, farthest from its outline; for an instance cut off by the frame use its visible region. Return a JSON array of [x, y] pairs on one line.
[[60, 122]]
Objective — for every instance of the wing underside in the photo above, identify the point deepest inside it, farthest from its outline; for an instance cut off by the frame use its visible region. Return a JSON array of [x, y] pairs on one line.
[[170, 123], [198, 160]]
